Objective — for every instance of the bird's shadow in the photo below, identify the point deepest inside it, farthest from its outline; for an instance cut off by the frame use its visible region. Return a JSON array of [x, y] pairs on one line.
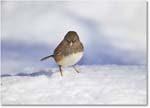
[[33, 74]]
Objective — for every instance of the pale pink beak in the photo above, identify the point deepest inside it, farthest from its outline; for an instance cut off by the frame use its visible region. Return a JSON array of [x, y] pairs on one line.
[[70, 43]]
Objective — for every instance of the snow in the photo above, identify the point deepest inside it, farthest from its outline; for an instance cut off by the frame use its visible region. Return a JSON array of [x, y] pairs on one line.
[[95, 84]]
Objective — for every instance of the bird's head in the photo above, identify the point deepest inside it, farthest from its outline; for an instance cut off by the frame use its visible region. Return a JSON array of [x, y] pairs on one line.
[[71, 37]]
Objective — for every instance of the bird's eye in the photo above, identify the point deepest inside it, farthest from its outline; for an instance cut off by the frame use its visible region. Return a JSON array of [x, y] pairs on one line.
[[74, 40], [68, 40]]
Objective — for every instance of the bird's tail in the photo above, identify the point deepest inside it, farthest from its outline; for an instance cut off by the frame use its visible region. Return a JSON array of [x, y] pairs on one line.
[[46, 57]]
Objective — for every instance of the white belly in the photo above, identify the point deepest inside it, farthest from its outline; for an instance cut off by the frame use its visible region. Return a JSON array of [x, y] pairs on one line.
[[71, 59]]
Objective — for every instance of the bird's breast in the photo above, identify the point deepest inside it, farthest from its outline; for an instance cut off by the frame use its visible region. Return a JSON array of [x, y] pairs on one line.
[[70, 59]]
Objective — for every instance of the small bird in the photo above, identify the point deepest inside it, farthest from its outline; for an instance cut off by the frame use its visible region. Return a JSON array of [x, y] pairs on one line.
[[68, 52]]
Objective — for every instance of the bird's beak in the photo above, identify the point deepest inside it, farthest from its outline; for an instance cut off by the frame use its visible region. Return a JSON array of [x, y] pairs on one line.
[[70, 43]]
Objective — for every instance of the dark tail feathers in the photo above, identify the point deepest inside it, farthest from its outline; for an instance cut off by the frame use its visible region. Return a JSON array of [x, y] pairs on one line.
[[46, 57]]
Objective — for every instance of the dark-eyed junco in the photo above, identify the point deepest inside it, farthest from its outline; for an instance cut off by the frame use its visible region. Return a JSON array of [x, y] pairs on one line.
[[68, 52]]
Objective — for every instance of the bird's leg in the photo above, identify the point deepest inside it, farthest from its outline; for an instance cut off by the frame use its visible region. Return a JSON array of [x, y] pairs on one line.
[[60, 70], [75, 69]]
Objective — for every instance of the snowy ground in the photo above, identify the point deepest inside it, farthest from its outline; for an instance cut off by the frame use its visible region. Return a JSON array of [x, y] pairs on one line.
[[103, 85]]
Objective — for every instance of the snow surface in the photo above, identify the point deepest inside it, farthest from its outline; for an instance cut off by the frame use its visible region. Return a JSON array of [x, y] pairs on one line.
[[103, 85]]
